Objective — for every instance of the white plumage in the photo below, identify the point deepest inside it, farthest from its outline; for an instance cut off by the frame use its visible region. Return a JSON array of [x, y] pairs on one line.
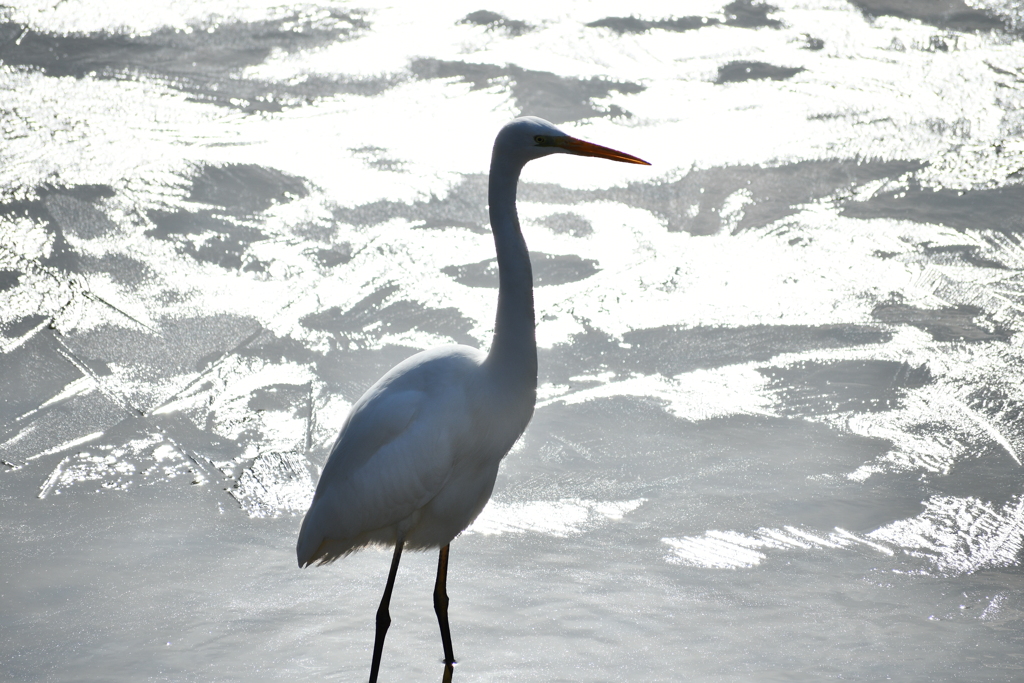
[[416, 460], [417, 456]]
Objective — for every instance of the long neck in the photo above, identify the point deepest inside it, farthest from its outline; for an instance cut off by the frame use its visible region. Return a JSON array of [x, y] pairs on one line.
[[514, 349]]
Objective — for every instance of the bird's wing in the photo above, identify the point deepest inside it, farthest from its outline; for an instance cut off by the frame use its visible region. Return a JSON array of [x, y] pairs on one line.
[[393, 456], [376, 420]]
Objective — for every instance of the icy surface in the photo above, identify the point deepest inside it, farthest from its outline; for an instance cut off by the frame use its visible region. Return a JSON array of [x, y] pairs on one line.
[[780, 427]]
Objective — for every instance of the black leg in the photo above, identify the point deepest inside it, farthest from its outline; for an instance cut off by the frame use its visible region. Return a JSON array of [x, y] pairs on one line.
[[441, 607], [383, 616]]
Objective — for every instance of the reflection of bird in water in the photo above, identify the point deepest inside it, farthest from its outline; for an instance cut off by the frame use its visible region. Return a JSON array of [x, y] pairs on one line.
[[416, 460]]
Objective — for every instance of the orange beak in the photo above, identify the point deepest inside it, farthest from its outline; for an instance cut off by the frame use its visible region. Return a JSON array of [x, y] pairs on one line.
[[589, 149]]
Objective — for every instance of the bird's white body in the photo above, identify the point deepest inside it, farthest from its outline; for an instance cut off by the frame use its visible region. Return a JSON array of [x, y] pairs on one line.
[[418, 456]]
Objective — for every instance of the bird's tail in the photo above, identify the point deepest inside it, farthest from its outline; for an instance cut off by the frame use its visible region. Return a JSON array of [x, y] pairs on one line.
[[315, 546], [311, 538]]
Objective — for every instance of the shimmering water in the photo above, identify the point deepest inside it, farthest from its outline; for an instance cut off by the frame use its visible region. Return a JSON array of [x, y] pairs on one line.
[[780, 425]]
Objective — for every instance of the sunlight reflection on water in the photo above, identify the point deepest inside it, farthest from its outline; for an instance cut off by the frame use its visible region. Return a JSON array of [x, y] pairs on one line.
[[781, 368]]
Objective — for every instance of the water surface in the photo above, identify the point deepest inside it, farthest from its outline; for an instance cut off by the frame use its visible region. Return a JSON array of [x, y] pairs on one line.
[[779, 434]]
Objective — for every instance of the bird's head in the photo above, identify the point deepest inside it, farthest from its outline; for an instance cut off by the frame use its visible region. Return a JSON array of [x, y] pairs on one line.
[[528, 138]]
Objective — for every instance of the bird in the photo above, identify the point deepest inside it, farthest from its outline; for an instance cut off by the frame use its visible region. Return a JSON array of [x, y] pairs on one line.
[[416, 459]]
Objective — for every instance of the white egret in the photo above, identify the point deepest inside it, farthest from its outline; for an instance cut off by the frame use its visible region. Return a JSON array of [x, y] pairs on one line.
[[416, 460]]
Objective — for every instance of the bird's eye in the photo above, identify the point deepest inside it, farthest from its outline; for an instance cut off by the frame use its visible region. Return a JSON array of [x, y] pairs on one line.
[[539, 139]]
